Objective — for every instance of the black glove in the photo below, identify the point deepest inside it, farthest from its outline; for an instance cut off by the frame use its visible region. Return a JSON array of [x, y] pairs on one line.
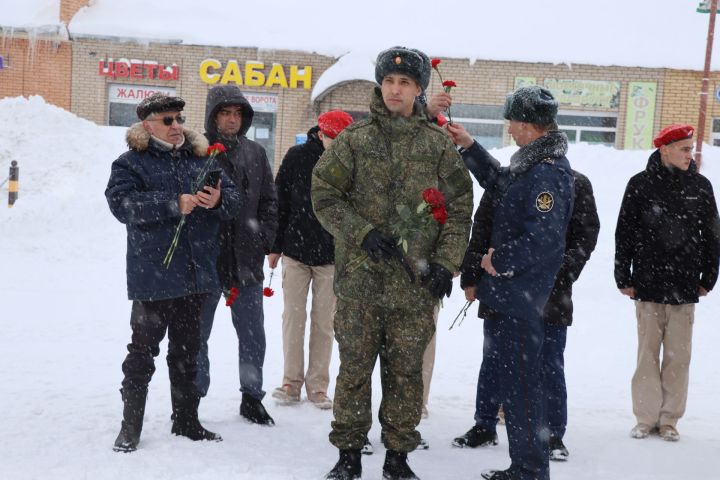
[[383, 247], [438, 281]]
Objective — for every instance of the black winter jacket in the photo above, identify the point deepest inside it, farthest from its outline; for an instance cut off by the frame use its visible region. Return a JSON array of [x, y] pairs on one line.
[[666, 240], [300, 235], [142, 192], [580, 241], [245, 240]]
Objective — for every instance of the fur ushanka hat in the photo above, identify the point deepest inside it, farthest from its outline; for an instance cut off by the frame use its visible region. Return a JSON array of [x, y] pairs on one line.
[[531, 104], [405, 61]]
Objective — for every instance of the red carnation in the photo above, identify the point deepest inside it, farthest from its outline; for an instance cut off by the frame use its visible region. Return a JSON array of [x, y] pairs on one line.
[[435, 62], [441, 120], [231, 296], [449, 83], [268, 292], [215, 148], [440, 215], [433, 197]]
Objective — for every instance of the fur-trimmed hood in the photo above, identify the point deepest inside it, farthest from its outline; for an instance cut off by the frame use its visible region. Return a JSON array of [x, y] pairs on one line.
[[138, 139]]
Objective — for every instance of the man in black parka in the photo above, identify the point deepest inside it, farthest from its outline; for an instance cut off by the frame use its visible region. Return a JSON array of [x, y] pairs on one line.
[[580, 241], [666, 257], [244, 242]]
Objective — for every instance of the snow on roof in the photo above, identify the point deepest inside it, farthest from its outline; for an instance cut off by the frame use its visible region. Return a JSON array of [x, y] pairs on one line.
[[356, 65], [645, 33], [30, 14]]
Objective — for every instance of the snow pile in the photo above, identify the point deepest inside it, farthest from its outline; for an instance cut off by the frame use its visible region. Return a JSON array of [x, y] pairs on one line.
[[612, 32], [30, 14], [64, 327]]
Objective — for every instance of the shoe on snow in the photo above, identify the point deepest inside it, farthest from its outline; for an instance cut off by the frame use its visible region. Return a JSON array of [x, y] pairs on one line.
[[348, 466], [127, 440], [641, 430], [252, 410], [669, 433], [286, 395], [192, 429], [396, 467], [367, 448], [558, 451], [476, 437], [497, 475]]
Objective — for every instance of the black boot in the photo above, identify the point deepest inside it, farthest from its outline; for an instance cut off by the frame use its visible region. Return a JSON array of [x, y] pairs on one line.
[[252, 409], [396, 467], [133, 413], [185, 418], [347, 468]]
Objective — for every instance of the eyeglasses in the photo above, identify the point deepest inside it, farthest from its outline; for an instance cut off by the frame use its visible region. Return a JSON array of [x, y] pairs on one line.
[[167, 121]]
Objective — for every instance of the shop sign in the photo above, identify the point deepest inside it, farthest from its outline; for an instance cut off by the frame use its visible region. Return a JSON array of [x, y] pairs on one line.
[[524, 82], [1, 62], [640, 115], [262, 103], [140, 69], [585, 93], [255, 74], [134, 93]]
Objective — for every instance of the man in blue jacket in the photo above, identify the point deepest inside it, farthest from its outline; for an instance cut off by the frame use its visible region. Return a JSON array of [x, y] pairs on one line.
[[527, 244], [151, 187]]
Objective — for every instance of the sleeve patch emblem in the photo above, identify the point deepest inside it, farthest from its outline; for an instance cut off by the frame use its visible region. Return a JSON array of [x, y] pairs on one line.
[[544, 202]]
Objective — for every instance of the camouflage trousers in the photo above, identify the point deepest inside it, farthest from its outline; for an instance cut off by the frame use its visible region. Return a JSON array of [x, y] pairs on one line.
[[398, 336]]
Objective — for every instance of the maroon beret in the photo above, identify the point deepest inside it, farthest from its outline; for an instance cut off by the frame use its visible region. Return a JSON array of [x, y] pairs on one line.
[[673, 133], [333, 122]]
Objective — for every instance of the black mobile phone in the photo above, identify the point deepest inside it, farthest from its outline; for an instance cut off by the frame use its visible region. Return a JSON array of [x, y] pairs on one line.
[[212, 178]]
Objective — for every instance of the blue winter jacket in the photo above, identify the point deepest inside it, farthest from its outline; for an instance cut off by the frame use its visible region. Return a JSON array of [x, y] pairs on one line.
[[529, 223], [143, 190]]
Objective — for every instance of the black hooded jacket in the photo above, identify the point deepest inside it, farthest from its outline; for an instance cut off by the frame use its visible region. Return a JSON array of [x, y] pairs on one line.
[[300, 235], [245, 240], [666, 240], [580, 240]]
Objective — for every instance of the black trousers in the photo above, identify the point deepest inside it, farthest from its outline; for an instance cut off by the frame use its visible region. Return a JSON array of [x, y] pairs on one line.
[[149, 320]]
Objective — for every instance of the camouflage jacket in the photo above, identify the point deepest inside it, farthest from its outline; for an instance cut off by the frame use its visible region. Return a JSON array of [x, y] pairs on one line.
[[373, 167]]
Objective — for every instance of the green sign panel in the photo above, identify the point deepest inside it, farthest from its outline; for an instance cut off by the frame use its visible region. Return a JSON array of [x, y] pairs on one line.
[[585, 93], [524, 82], [640, 115]]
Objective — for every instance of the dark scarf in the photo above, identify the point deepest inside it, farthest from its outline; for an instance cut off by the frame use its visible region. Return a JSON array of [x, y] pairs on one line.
[[548, 148]]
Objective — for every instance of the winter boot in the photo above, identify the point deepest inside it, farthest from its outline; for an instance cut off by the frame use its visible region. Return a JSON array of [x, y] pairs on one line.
[[133, 413], [252, 409], [396, 467], [558, 450], [367, 448], [476, 437], [497, 475], [185, 418], [348, 466]]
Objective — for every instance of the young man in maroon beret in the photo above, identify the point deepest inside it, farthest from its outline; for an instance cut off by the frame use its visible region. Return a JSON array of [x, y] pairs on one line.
[[666, 257], [308, 257]]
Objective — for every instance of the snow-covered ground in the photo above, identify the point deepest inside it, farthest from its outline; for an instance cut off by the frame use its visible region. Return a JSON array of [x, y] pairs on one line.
[[64, 326]]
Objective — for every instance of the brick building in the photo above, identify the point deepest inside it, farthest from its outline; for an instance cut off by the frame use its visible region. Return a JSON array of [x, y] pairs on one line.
[[102, 78]]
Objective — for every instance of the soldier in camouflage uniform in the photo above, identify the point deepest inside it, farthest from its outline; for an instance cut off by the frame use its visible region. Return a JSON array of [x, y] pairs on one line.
[[372, 168]]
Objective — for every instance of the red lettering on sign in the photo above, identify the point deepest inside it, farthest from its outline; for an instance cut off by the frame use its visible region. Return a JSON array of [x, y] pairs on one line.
[[136, 70]]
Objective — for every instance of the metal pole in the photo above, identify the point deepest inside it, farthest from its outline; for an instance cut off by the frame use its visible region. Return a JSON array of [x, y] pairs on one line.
[[705, 84], [13, 186]]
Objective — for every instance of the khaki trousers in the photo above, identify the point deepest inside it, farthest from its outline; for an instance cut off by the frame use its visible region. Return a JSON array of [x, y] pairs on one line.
[[296, 282], [659, 389], [429, 361]]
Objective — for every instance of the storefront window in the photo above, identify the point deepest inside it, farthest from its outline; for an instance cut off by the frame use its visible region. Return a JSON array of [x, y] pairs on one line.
[[716, 132], [483, 122], [589, 127], [123, 101], [263, 125]]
